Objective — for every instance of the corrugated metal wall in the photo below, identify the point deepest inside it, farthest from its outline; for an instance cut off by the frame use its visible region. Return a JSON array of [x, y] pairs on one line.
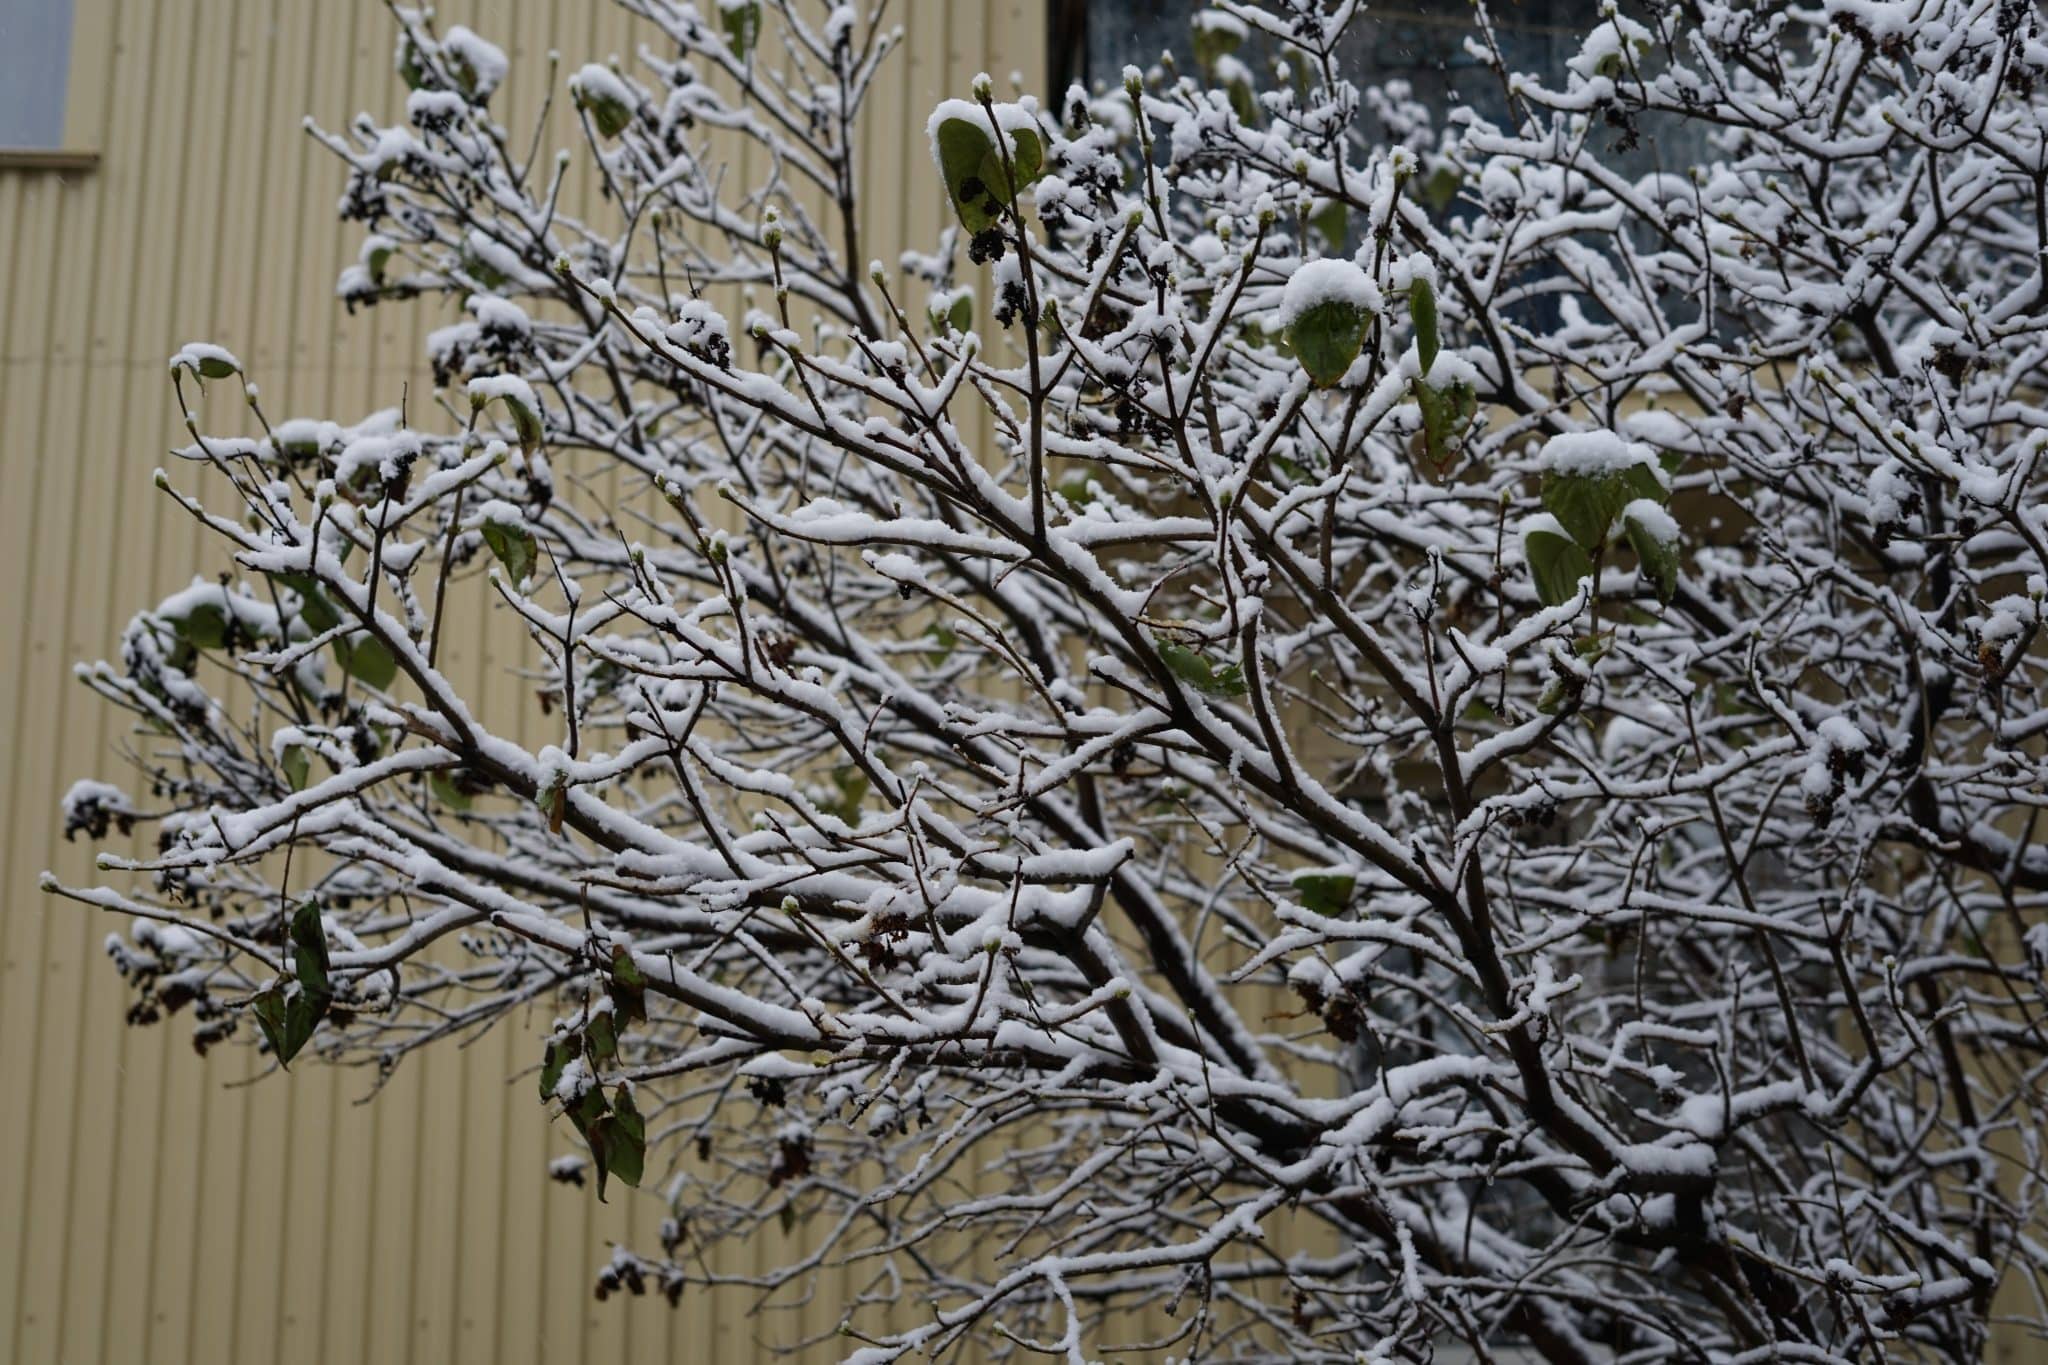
[[149, 1210]]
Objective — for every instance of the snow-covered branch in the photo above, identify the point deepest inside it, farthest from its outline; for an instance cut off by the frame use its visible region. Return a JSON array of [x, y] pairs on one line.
[[1362, 735]]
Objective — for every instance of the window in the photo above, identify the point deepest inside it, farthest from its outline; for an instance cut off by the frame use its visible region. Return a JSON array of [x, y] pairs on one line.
[[1421, 41], [35, 58]]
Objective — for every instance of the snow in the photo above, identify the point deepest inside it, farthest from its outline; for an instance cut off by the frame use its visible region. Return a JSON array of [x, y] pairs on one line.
[[1447, 369], [484, 388], [85, 793], [595, 84], [1592, 453], [1326, 281], [504, 260], [700, 327], [1841, 735], [425, 107], [839, 24], [1218, 21], [1539, 523], [485, 61], [1011, 118], [499, 315], [306, 433], [258, 617], [193, 354], [1618, 38], [1651, 516], [387, 457]]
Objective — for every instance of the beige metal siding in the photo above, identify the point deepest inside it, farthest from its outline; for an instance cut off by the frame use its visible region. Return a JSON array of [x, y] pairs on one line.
[[148, 1212]]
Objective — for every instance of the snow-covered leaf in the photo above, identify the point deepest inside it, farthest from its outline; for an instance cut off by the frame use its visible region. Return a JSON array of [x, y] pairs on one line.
[[741, 22], [515, 548], [366, 658], [1325, 893], [1197, 670], [1556, 563], [296, 764], [1654, 537], [1422, 313], [1326, 310], [977, 182]]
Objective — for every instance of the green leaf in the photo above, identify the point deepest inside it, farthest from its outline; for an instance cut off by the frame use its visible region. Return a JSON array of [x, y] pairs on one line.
[[309, 947], [1216, 35], [302, 1015], [1325, 893], [960, 317], [590, 1115], [943, 642], [625, 1138], [1446, 413], [289, 1014], [268, 1007], [1027, 157], [552, 801], [482, 271], [314, 608], [625, 971], [1327, 337], [628, 985], [554, 1060], [963, 147], [213, 367], [409, 64], [526, 423], [1586, 504], [1196, 670], [973, 170], [297, 765], [366, 658], [1422, 312], [1557, 564], [852, 785], [589, 1107], [1441, 188], [1333, 221], [1658, 558], [1645, 482], [514, 546], [1729, 701], [742, 25], [441, 782], [604, 1037], [605, 98], [612, 116], [1244, 101], [205, 626]]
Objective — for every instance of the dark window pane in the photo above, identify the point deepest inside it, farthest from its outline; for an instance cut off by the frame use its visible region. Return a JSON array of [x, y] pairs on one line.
[[35, 56]]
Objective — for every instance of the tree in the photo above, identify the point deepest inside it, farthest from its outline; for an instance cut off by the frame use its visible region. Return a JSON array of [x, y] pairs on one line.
[[1475, 706]]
